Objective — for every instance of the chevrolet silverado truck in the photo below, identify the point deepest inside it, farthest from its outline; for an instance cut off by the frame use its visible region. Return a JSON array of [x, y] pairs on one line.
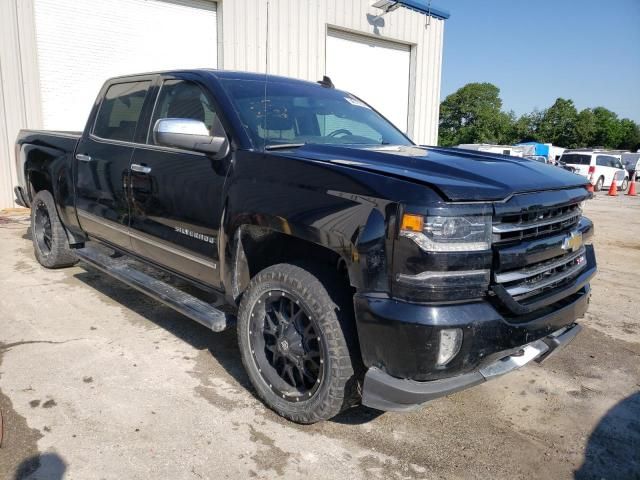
[[357, 266]]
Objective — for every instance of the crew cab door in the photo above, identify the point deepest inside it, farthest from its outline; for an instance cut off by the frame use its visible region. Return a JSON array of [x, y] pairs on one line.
[[176, 195], [102, 161]]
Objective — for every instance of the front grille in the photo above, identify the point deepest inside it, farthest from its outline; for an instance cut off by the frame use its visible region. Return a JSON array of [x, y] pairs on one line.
[[535, 223], [537, 279], [537, 255]]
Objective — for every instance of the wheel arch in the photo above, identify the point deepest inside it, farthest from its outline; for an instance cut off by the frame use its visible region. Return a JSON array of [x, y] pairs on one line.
[[252, 248]]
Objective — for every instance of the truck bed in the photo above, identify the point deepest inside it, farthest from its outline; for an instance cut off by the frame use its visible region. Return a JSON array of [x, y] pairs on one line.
[[62, 140], [45, 146]]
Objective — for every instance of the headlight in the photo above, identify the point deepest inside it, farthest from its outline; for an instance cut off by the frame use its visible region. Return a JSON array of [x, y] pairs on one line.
[[448, 234]]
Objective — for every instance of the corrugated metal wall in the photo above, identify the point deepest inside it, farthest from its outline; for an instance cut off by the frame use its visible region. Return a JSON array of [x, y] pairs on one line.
[[297, 44], [297, 39], [19, 87]]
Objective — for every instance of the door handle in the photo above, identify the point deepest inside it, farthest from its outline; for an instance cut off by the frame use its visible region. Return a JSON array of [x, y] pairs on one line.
[[140, 168], [83, 157]]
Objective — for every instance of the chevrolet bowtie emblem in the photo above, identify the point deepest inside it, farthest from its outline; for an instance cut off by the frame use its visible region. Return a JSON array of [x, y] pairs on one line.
[[572, 242]]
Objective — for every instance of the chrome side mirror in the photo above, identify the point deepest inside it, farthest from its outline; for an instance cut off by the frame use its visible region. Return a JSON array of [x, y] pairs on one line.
[[189, 134]]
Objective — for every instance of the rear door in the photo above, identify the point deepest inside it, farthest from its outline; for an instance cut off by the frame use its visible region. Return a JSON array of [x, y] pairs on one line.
[[605, 167], [102, 161], [176, 194]]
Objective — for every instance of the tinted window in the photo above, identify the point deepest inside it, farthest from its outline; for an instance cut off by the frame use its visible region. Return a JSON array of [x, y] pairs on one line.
[[606, 161], [120, 111], [307, 113], [576, 159], [631, 160], [184, 99]]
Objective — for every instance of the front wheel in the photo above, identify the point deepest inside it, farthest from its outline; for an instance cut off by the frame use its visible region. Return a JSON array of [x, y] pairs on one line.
[[50, 243], [294, 341]]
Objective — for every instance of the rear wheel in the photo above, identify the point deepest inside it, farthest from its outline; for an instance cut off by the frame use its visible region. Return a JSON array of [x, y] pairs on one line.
[[625, 185], [50, 243], [294, 345], [599, 184]]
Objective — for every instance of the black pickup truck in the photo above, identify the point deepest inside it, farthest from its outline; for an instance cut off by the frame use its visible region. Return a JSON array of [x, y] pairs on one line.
[[357, 266]]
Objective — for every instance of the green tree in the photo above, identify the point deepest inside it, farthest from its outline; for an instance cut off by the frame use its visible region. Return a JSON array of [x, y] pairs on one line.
[[585, 128], [629, 135], [558, 124], [473, 114], [527, 127], [608, 131]]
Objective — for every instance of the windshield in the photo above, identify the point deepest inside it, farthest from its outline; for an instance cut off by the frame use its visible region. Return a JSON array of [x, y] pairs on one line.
[[298, 113], [576, 159]]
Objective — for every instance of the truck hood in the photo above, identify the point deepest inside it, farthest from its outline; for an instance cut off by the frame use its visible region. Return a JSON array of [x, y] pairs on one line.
[[460, 175]]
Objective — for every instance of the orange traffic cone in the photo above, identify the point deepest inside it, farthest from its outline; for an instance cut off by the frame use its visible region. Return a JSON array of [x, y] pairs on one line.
[[632, 187], [613, 189], [589, 187]]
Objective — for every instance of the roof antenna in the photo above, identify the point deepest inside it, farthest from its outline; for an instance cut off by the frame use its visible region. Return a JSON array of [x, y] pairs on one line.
[[326, 82]]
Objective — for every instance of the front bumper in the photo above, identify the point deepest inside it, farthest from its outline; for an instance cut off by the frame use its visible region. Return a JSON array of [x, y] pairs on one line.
[[399, 341], [384, 392]]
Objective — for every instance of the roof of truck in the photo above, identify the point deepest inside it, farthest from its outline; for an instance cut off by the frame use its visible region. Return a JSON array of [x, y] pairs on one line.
[[223, 74]]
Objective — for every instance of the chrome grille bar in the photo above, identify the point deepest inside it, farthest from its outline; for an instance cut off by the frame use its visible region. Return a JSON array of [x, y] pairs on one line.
[[529, 224], [569, 217], [548, 278], [539, 268]]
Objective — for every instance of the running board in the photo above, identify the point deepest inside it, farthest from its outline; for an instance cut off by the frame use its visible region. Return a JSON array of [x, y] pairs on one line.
[[186, 304]]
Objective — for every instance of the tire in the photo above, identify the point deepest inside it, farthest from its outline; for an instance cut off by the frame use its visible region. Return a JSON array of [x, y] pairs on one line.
[[625, 185], [599, 184], [50, 242], [319, 324]]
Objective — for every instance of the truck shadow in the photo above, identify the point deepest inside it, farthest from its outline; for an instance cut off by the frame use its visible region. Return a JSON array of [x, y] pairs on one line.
[[613, 449], [222, 346]]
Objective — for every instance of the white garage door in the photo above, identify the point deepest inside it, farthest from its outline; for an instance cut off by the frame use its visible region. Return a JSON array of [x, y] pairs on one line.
[[83, 43], [376, 71]]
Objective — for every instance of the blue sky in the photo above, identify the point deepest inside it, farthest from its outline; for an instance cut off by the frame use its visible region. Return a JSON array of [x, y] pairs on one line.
[[537, 51]]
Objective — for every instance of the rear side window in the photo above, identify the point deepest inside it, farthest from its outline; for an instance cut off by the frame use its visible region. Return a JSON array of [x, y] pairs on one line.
[[120, 111], [606, 161], [576, 159]]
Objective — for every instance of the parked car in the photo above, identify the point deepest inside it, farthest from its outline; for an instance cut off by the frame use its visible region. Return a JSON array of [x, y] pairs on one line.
[[356, 266], [631, 162], [600, 167]]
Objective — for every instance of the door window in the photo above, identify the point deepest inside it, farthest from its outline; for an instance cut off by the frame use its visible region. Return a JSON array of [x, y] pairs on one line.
[[185, 99], [120, 111], [605, 161]]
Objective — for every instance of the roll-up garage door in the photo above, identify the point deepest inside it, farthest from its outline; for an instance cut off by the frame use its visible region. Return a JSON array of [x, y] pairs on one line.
[[83, 43], [373, 69]]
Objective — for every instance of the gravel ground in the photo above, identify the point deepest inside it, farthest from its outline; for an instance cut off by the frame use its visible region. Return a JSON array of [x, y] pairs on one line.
[[100, 382]]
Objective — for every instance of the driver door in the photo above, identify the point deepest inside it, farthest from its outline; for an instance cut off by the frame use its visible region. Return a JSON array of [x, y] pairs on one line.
[[176, 195]]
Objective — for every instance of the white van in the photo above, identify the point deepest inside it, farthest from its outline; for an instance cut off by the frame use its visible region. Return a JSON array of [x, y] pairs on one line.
[[599, 166]]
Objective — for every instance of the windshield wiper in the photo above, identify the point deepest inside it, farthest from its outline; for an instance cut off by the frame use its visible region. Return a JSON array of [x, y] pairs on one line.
[[283, 146]]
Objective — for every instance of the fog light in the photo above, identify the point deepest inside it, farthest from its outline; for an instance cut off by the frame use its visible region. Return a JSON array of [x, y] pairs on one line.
[[450, 343]]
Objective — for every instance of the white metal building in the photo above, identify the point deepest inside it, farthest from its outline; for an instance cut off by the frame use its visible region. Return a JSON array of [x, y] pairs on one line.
[[55, 54]]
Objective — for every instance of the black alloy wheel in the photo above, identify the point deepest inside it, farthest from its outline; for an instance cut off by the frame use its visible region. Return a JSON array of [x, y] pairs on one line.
[[42, 231], [286, 346], [50, 243], [298, 342]]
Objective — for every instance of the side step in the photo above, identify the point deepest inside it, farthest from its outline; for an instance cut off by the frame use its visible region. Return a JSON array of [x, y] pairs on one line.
[[186, 304]]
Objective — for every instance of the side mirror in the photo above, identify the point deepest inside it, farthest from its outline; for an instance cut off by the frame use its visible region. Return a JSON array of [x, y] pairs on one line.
[[189, 134]]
